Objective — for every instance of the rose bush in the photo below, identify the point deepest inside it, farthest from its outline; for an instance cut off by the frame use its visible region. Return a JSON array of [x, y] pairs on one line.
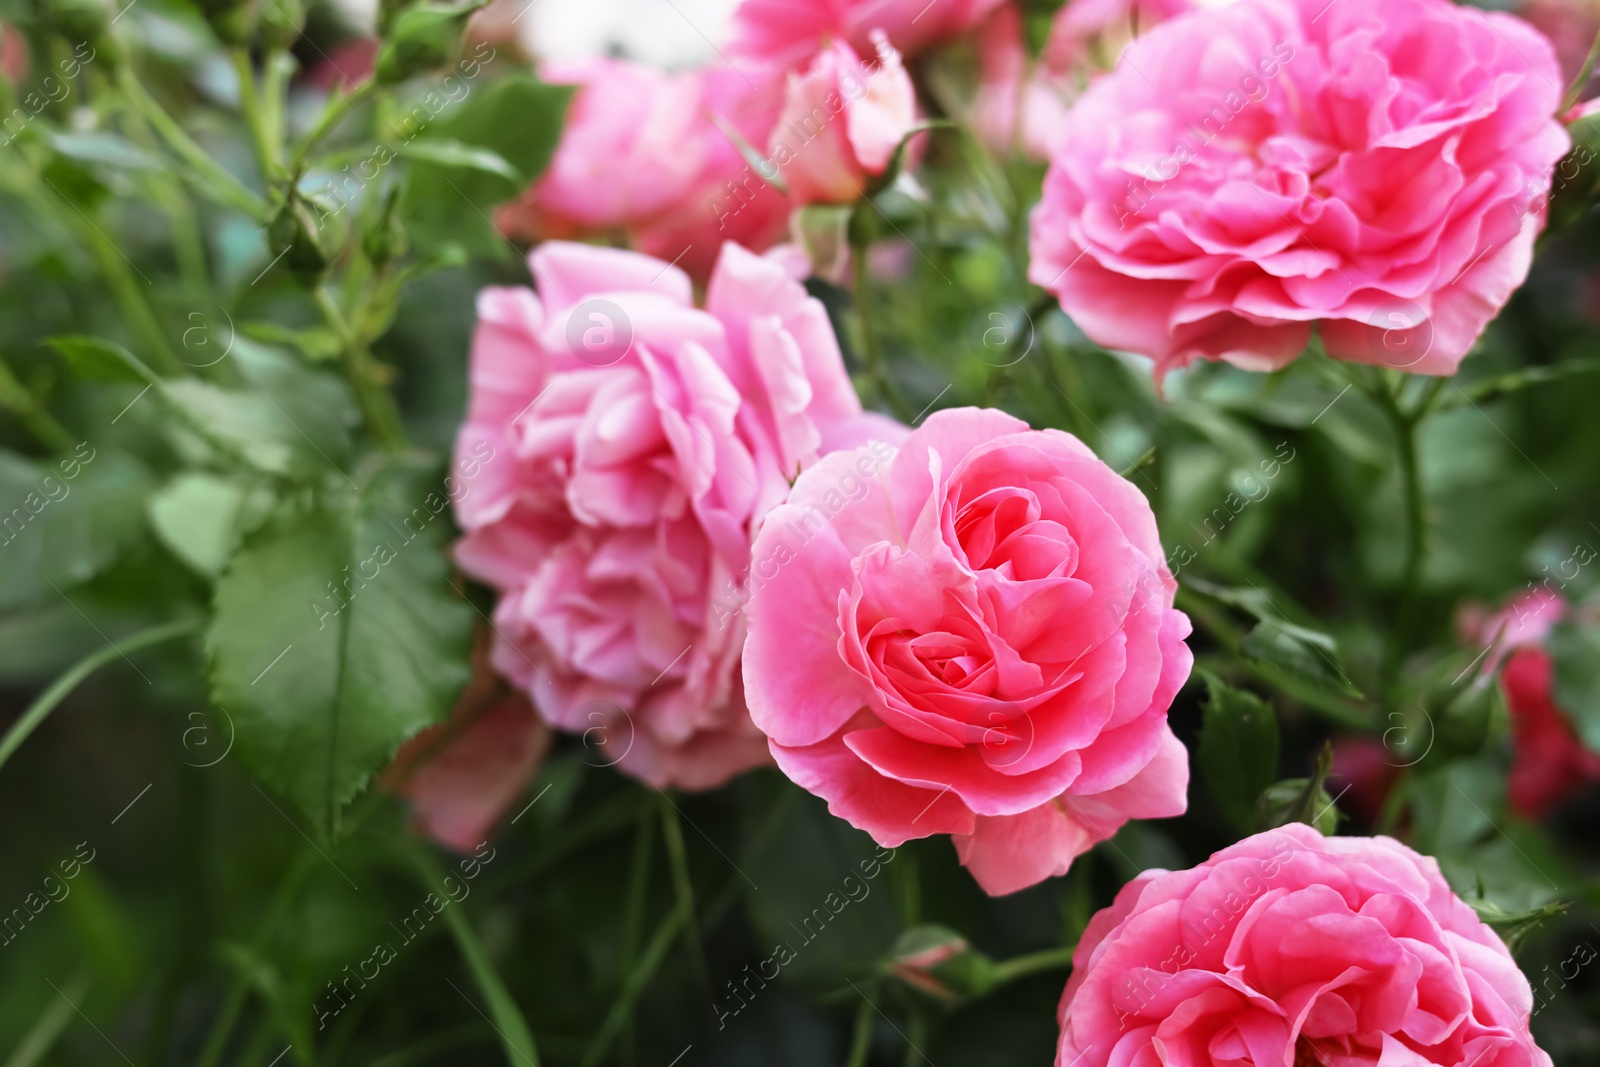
[[643, 440], [975, 639], [1378, 168], [1294, 948]]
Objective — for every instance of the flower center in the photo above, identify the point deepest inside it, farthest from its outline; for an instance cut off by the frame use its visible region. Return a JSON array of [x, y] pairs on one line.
[[1305, 1055]]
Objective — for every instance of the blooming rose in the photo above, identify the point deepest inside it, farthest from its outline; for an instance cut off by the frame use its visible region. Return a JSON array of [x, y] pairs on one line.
[[626, 445], [1294, 948], [1379, 167], [787, 32], [841, 124], [974, 637], [648, 155], [1549, 762]]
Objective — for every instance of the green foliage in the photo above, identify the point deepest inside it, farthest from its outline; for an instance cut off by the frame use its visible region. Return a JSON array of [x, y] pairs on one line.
[[353, 585], [1238, 750], [1575, 648]]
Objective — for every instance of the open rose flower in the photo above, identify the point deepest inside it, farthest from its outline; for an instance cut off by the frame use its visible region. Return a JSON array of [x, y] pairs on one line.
[[1549, 762], [787, 32], [841, 123], [974, 636], [629, 444], [1290, 948], [647, 155], [1378, 167]]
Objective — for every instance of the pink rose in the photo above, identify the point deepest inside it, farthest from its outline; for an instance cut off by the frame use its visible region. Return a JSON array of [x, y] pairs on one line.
[[1294, 948], [1021, 104], [1378, 167], [648, 155], [621, 446], [787, 32], [841, 123], [975, 637]]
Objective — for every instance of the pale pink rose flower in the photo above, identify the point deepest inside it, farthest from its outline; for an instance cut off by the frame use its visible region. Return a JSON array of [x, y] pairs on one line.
[[1377, 168], [788, 32], [1021, 103], [629, 445], [1089, 34], [1524, 622], [1290, 948], [655, 158], [973, 636], [460, 779], [841, 122]]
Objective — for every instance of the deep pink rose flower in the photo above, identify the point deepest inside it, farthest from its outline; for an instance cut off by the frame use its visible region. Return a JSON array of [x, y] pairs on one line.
[[1549, 763], [973, 636], [842, 120], [787, 32], [1295, 950], [1378, 167], [621, 447], [647, 155]]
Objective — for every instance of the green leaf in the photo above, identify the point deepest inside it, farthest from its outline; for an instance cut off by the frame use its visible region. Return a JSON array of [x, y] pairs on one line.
[[518, 119], [315, 412], [449, 153], [317, 345], [337, 636], [1238, 749], [66, 521], [240, 422], [95, 360], [1307, 655], [102, 147], [195, 516], [515, 1037], [1576, 651]]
